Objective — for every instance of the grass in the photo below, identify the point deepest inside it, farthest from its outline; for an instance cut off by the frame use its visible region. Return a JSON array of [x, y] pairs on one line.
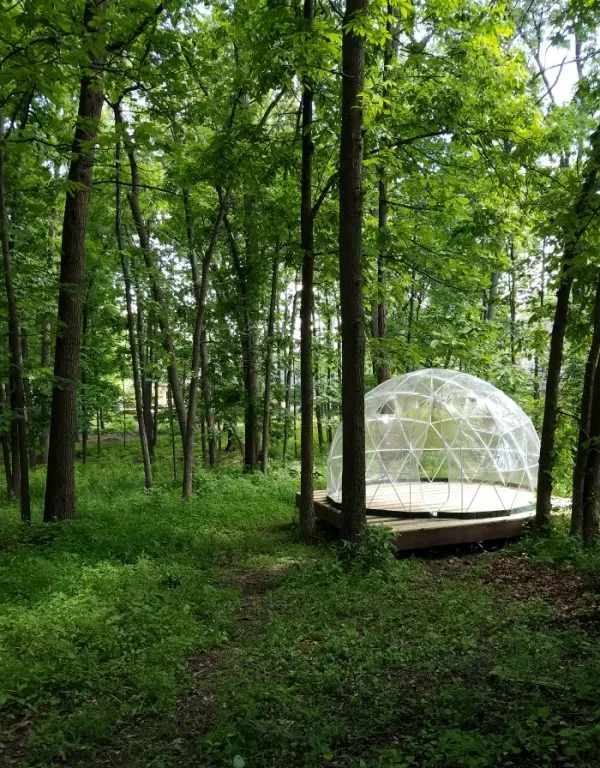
[[153, 632]]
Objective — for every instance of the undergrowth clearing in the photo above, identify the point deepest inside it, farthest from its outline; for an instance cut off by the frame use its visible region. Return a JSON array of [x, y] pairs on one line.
[[153, 632]]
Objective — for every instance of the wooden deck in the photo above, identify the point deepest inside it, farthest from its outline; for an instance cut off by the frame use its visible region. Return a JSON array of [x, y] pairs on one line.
[[424, 533], [455, 500]]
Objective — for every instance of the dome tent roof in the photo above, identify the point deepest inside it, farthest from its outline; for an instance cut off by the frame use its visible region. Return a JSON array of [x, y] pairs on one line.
[[440, 442]]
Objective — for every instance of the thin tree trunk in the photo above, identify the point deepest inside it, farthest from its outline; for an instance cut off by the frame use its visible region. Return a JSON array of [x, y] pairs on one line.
[[536, 358], [172, 430], [493, 293], [46, 344], [60, 483], [289, 371], [351, 295], [294, 409], [307, 508], [133, 347], [21, 445], [200, 292], [382, 371], [28, 395], [7, 467], [83, 397], [98, 433], [6, 458], [512, 298], [591, 491], [264, 460], [250, 374], [585, 422], [13, 440], [582, 214], [154, 440], [45, 361], [329, 347], [209, 413], [157, 294], [318, 393], [144, 334], [203, 442]]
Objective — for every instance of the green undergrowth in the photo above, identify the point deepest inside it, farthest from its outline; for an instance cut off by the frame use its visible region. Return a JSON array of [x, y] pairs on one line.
[[153, 632]]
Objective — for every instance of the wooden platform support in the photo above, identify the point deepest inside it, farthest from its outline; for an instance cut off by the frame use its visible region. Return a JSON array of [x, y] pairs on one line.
[[422, 533]]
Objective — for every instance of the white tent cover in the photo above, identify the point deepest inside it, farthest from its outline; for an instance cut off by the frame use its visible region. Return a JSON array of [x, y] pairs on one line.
[[439, 441]]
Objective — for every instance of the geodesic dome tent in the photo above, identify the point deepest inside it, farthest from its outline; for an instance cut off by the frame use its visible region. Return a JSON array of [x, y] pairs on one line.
[[446, 444]]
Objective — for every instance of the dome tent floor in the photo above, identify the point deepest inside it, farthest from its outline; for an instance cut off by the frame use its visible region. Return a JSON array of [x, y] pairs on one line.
[[466, 501], [419, 533]]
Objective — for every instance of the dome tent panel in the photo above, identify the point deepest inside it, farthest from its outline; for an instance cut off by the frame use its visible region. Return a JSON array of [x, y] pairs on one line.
[[445, 443]]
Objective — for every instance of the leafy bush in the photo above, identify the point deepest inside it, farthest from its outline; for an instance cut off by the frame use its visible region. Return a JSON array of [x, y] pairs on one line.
[[372, 551]]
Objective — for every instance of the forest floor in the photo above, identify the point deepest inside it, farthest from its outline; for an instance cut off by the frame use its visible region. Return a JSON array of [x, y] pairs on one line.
[[150, 632]]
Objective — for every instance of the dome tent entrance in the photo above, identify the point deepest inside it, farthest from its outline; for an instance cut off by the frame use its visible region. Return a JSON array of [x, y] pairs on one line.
[[446, 444]]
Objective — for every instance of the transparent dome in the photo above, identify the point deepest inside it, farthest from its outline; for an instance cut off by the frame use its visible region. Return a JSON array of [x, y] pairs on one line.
[[443, 443]]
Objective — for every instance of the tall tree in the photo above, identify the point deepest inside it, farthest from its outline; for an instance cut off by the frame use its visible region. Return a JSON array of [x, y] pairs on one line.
[[133, 347], [60, 484], [307, 510], [574, 227], [21, 455], [351, 269]]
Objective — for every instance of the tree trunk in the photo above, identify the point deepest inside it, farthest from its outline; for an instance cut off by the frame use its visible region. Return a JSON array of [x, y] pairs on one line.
[[351, 295], [21, 443], [157, 294], [591, 491], [45, 361], [60, 484], [512, 300], [582, 214], [491, 301], [382, 371], [249, 367], [289, 372], [264, 459], [6, 458], [83, 396], [13, 440], [144, 334], [200, 291], [27, 393], [307, 508], [585, 422], [318, 393], [133, 348], [154, 440], [172, 431], [209, 413], [98, 433]]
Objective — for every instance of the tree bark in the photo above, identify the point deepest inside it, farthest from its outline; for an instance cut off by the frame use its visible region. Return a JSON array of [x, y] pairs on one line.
[[60, 484], [264, 458], [133, 348], [21, 443], [585, 422], [351, 294], [307, 508], [582, 214]]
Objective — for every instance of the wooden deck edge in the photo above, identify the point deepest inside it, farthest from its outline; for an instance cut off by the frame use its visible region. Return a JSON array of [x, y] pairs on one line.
[[429, 536], [500, 528]]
